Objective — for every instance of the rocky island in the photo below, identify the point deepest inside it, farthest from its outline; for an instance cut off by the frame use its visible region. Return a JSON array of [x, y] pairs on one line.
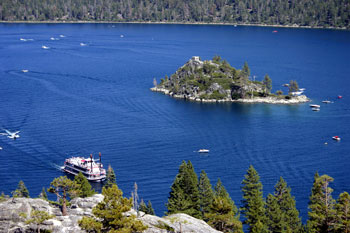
[[217, 81]]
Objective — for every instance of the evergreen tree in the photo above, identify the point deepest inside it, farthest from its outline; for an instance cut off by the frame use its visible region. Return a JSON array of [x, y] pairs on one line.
[[84, 186], [259, 227], [150, 209], [206, 194], [143, 207], [43, 194], [63, 188], [253, 202], [293, 86], [37, 217], [110, 177], [21, 190], [286, 203], [245, 70], [223, 214], [274, 215], [321, 206], [343, 213], [267, 82], [109, 214], [184, 195]]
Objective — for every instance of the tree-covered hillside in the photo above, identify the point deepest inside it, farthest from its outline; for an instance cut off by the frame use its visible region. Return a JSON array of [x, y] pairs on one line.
[[314, 13]]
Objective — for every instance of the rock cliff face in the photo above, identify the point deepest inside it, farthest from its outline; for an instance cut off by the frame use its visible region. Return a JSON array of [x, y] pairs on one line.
[[217, 81], [12, 220]]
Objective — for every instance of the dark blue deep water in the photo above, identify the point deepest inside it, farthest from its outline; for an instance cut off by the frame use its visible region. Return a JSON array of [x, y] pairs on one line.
[[77, 100]]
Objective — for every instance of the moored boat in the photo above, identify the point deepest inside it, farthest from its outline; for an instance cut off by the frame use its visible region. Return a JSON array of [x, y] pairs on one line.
[[314, 106], [92, 170], [203, 151], [337, 138], [326, 101]]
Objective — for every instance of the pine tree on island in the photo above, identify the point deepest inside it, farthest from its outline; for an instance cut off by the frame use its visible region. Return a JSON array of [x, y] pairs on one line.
[[293, 86], [184, 195], [109, 215], [267, 83], [21, 190], [253, 208], [322, 206], [110, 177], [84, 186], [206, 194], [245, 70], [223, 213]]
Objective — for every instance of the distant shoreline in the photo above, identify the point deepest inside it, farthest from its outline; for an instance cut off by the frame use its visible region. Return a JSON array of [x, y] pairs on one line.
[[179, 23]]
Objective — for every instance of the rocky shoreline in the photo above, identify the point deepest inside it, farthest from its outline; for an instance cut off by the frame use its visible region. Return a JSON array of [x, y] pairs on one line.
[[13, 221], [254, 100]]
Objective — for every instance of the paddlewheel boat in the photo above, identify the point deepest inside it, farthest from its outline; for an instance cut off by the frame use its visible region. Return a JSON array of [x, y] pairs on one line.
[[91, 169]]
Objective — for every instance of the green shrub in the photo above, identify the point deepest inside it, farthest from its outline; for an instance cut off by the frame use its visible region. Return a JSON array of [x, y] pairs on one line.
[[224, 82], [217, 95], [163, 225]]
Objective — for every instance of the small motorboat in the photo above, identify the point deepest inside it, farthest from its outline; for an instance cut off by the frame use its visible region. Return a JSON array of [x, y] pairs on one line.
[[339, 96], [316, 109], [286, 85], [314, 106], [203, 151], [121, 36], [296, 93], [45, 47], [337, 138], [0, 148], [326, 101], [302, 89], [25, 71], [82, 44], [275, 31]]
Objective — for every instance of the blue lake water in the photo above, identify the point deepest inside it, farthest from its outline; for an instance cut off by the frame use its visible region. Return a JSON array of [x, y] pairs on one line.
[[77, 100]]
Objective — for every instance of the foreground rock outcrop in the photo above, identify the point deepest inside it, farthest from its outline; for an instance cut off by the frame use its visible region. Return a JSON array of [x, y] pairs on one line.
[[12, 220], [217, 81]]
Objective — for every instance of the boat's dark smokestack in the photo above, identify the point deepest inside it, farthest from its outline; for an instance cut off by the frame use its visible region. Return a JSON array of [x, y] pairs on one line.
[[91, 161]]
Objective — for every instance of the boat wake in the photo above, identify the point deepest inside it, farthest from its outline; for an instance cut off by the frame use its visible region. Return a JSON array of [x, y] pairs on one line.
[[56, 166]]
